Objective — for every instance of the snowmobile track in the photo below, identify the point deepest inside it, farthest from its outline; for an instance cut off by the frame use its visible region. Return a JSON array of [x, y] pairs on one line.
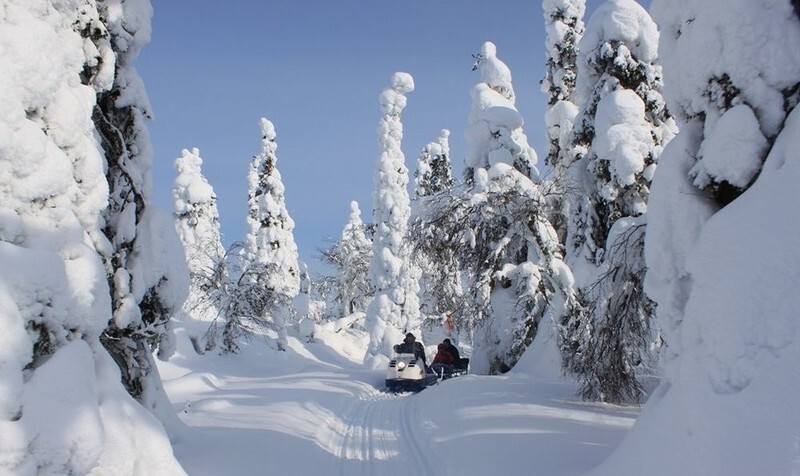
[[381, 438]]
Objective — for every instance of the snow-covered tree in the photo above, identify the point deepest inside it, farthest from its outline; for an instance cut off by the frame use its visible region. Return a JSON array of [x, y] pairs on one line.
[[440, 286], [498, 229], [434, 172], [564, 27], [395, 308], [495, 132], [351, 258], [622, 126], [55, 301], [721, 246], [271, 269], [620, 132], [148, 285], [197, 224]]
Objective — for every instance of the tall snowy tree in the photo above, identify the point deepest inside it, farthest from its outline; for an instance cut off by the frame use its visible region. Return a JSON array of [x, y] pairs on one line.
[[622, 127], [395, 307], [564, 27], [147, 286], [499, 230], [721, 248], [271, 274], [197, 224], [440, 286], [55, 302], [351, 258]]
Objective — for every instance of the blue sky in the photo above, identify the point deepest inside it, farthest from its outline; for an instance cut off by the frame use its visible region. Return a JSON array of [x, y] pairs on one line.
[[315, 69]]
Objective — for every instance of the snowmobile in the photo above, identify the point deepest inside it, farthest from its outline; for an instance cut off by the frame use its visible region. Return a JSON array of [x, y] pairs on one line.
[[407, 374]]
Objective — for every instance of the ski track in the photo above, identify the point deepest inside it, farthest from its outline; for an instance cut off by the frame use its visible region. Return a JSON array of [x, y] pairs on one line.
[[380, 438]]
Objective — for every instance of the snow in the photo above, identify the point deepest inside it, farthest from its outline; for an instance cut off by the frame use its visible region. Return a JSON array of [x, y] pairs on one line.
[[627, 22], [732, 149], [753, 44], [733, 389], [624, 21], [262, 409], [623, 136], [724, 278]]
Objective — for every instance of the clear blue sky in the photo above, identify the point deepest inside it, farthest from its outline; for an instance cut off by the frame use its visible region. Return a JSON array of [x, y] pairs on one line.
[[315, 69]]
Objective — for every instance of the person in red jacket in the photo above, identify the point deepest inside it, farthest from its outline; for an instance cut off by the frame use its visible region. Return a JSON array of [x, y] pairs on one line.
[[443, 361]]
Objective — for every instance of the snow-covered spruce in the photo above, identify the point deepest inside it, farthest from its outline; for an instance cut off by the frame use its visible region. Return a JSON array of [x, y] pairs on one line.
[[495, 131], [497, 229], [55, 300], [722, 265], [198, 226], [434, 172], [270, 277], [564, 27], [350, 257], [395, 307], [440, 276], [622, 128]]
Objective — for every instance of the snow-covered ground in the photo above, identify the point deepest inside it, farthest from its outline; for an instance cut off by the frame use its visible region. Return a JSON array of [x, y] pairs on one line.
[[316, 409]]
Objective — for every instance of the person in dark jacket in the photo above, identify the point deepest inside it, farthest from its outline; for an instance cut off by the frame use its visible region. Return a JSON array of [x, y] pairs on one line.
[[453, 350], [411, 346]]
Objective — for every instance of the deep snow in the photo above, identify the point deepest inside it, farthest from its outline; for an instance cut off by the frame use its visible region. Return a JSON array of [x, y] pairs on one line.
[[316, 409]]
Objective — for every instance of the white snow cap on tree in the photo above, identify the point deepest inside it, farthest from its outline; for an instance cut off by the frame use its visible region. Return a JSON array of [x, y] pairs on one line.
[[197, 217], [494, 72], [624, 21], [495, 133]]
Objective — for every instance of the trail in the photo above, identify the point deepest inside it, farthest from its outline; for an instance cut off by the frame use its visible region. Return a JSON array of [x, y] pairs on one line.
[[312, 413]]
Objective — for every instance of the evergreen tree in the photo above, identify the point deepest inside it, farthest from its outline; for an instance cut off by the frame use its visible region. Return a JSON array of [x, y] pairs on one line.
[[147, 287], [434, 172], [495, 132], [197, 224], [440, 285], [271, 275], [498, 229], [622, 128], [395, 307], [351, 258], [564, 27]]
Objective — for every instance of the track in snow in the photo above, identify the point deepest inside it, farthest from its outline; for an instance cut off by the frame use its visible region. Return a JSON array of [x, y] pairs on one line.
[[382, 438]]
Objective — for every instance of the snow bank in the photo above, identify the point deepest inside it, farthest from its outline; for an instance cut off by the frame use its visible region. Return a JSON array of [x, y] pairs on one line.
[[725, 274], [728, 406]]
